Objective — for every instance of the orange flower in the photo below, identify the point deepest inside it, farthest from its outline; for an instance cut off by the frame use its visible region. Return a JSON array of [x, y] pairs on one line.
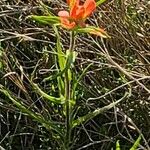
[[77, 16], [78, 13]]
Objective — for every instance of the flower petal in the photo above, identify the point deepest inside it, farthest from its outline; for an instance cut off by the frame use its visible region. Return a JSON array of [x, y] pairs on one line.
[[90, 6], [65, 22], [63, 14], [77, 12], [80, 12], [71, 3]]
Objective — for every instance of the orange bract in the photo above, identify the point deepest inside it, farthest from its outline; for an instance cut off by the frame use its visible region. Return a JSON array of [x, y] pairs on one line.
[[99, 32], [71, 3], [78, 13], [64, 18]]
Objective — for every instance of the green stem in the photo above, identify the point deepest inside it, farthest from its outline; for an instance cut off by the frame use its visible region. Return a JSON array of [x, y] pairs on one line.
[[67, 91], [67, 95]]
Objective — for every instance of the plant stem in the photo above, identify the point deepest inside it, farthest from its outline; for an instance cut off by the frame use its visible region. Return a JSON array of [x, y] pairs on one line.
[[67, 95], [67, 91]]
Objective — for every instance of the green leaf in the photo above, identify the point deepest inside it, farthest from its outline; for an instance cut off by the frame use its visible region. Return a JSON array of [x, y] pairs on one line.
[[117, 145], [93, 30], [64, 64], [71, 56], [99, 2], [136, 144], [61, 85], [68, 63], [61, 61], [61, 55], [96, 112], [45, 19], [60, 100], [50, 125]]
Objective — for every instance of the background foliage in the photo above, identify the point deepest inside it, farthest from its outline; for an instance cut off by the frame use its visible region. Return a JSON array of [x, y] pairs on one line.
[[118, 65]]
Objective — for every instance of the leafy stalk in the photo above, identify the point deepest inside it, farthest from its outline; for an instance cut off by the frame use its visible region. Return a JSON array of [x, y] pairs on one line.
[[68, 93]]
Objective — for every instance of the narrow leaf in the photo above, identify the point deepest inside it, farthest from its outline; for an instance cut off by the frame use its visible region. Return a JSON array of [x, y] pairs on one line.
[[60, 100], [61, 55], [136, 144], [36, 116], [117, 145], [96, 112], [45, 19], [99, 2], [93, 30]]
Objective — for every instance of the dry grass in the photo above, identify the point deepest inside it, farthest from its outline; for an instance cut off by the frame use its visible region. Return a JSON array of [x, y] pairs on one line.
[[120, 64]]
